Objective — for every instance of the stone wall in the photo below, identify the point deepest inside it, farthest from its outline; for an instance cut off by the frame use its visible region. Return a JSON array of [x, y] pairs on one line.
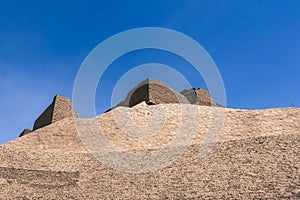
[[256, 156], [204, 98], [199, 96], [45, 118], [152, 92], [60, 108], [155, 92], [139, 94], [160, 93]]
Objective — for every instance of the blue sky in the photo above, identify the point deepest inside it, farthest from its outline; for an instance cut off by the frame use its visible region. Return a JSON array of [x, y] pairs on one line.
[[255, 45]]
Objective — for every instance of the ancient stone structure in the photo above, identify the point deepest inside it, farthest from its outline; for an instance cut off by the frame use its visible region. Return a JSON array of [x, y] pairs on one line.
[[256, 155], [60, 108], [155, 92], [199, 96], [152, 92]]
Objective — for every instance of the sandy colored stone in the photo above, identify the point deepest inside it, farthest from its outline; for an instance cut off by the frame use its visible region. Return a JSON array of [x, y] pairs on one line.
[[199, 96], [256, 156], [152, 92], [60, 108]]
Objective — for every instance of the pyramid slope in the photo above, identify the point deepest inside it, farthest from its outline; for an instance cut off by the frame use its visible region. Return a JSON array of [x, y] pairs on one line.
[[238, 124], [257, 156], [249, 168]]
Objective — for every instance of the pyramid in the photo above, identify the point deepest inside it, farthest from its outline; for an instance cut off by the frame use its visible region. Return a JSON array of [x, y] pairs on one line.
[[256, 156]]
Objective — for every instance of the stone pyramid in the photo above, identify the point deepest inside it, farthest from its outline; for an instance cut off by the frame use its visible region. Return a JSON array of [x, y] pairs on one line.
[[256, 156]]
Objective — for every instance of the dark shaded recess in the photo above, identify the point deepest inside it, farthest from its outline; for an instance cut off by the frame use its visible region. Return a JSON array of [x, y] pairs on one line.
[[139, 95], [45, 118]]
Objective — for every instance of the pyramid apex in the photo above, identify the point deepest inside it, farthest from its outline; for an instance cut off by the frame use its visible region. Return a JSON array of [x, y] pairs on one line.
[[60, 108]]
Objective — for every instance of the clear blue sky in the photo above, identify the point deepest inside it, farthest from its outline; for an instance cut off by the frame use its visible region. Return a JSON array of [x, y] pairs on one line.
[[255, 45]]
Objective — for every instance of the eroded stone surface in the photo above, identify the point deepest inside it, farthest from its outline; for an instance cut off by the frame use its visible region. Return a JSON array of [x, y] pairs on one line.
[[256, 156], [256, 152]]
